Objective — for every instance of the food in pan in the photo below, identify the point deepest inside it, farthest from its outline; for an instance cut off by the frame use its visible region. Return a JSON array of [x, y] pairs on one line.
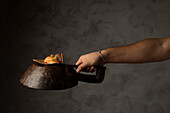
[[52, 59], [58, 58]]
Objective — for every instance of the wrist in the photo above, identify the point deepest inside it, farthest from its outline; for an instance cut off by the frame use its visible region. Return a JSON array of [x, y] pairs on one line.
[[101, 56], [104, 54]]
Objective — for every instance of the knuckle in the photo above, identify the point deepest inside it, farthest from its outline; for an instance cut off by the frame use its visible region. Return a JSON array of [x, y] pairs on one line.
[[81, 56]]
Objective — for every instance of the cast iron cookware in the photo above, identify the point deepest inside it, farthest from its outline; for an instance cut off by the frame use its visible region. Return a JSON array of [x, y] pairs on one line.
[[57, 76]]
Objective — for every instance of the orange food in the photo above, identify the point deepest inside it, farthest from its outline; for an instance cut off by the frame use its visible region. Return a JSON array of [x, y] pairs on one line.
[[51, 59]]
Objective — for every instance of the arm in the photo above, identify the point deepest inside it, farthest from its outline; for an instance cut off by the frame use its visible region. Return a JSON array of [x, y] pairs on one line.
[[148, 50]]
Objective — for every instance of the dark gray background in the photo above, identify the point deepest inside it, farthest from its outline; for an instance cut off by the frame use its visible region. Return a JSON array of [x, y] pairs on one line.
[[36, 28]]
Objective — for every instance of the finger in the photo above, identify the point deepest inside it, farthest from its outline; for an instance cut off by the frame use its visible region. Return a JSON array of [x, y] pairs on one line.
[[88, 69], [95, 69], [91, 69], [79, 61], [81, 67]]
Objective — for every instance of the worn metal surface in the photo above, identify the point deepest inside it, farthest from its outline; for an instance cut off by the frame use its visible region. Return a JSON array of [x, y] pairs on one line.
[[57, 76], [34, 29], [49, 77]]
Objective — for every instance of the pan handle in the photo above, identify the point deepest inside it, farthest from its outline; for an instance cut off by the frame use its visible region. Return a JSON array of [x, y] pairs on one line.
[[97, 78]]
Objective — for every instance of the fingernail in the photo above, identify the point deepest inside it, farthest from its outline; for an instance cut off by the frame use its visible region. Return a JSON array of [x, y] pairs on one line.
[[78, 70]]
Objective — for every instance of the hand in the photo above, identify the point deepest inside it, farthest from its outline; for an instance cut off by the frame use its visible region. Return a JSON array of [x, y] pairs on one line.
[[87, 60]]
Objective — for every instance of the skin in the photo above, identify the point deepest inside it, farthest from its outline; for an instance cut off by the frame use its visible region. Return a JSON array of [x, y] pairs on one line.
[[148, 50]]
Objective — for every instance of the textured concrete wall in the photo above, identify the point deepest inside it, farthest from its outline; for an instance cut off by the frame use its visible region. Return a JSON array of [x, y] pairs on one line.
[[36, 28]]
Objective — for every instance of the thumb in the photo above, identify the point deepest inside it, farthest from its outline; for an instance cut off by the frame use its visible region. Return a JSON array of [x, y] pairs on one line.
[[81, 67]]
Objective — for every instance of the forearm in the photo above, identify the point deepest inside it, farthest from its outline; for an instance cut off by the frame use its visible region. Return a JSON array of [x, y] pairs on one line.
[[149, 50]]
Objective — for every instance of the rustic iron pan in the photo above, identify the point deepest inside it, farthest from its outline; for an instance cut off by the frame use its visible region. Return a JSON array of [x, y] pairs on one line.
[[57, 76]]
